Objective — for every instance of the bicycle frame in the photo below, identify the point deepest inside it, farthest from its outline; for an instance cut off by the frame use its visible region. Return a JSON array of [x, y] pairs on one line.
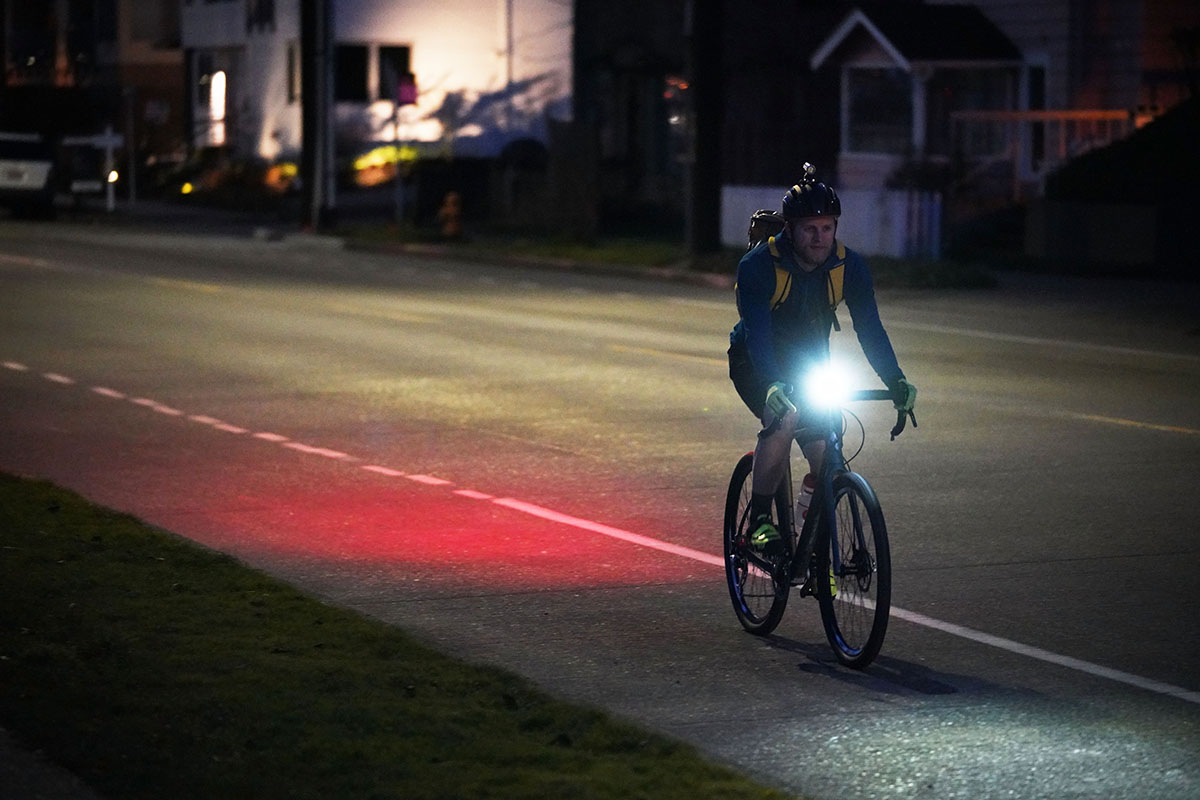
[[833, 465]]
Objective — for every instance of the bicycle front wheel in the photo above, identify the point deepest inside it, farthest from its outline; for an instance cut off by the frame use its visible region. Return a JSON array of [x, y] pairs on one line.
[[758, 591], [856, 598]]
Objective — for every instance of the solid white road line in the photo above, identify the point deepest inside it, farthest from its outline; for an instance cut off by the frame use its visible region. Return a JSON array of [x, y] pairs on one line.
[[1045, 655], [607, 530]]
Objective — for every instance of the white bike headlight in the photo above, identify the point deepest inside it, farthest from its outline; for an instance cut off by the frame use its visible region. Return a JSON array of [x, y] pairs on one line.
[[827, 386]]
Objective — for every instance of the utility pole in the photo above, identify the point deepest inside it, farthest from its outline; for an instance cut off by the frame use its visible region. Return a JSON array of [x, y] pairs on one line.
[[508, 55], [316, 90], [703, 200]]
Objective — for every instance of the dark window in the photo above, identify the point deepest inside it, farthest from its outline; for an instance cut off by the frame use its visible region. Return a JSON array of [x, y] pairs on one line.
[[145, 22], [293, 72], [393, 65], [1037, 102], [204, 69], [950, 90], [260, 15], [106, 21], [350, 81], [880, 113], [31, 44]]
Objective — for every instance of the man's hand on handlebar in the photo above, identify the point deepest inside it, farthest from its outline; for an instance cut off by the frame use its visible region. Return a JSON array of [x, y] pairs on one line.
[[778, 401], [904, 395]]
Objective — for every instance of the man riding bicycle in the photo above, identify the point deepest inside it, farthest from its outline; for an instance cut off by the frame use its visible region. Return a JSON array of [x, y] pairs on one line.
[[788, 288]]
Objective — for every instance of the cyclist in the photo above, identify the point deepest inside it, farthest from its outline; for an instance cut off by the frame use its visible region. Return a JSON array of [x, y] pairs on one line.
[[787, 292]]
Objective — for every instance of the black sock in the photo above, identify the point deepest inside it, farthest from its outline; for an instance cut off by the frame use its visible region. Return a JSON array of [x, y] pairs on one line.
[[760, 504]]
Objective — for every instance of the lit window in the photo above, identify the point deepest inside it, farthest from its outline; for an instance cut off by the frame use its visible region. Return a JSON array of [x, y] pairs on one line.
[[216, 108]]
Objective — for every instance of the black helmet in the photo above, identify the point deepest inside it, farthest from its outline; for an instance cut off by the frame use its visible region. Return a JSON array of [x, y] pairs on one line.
[[811, 199]]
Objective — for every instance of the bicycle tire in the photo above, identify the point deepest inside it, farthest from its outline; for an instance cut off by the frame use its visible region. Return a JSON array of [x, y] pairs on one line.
[[759, 599], [856, 618]]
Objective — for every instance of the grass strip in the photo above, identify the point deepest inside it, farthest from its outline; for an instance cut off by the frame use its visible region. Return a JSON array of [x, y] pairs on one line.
[[152, 667]]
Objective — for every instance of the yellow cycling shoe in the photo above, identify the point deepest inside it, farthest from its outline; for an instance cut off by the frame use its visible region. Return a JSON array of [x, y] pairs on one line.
[[765, 538]]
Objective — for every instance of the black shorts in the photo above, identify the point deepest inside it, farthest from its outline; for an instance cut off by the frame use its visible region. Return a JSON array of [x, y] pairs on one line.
[[812, 423]]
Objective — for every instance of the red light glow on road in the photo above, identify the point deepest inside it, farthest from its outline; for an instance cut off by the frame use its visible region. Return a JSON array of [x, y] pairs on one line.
[[431, 535]]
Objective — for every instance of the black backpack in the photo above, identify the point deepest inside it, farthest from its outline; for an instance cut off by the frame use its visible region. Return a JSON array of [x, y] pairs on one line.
[[764, 224]]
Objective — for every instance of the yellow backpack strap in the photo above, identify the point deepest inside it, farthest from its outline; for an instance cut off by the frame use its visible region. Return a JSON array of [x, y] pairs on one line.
[[783, 278], [837, 276]]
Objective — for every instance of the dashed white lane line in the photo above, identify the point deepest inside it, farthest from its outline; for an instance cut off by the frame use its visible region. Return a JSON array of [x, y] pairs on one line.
[[25, 261], [913, 617], [204, 419], [428, 480], [474, 495], [388, 471], [318, 451]]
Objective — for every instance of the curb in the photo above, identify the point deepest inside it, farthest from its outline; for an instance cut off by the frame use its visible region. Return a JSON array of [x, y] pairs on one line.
[[262, 230]]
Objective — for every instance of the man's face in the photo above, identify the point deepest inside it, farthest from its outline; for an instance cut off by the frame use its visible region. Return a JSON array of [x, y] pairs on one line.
[[812, 239]]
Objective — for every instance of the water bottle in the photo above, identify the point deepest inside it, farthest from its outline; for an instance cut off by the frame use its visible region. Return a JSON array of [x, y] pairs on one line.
[[804, 497]]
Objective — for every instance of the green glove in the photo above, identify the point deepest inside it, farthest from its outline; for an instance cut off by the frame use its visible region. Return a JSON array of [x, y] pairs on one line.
[[904, 395], [777, 399]]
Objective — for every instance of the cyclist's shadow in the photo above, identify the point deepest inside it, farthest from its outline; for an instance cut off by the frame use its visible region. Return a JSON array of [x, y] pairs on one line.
[[885, 674]]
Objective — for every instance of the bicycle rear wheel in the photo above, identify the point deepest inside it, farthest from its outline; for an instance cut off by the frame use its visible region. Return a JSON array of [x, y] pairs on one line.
[[856, 616], [758, 590]]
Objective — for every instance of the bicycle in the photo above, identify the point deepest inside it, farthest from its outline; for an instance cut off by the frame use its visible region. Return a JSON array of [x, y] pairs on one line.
[[847, 565]]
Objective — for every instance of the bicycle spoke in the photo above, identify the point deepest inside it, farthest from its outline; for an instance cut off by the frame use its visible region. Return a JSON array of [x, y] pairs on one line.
[[855, 613], [759, 598]]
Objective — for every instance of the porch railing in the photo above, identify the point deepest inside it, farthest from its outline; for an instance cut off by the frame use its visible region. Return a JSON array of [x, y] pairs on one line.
[[1038, 142]]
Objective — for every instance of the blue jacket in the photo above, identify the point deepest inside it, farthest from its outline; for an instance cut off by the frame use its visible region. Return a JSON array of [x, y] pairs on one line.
[[783, 341]]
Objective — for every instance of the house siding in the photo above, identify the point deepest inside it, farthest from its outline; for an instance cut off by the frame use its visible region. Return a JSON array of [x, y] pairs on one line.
[[1110, 55], [459, 54]]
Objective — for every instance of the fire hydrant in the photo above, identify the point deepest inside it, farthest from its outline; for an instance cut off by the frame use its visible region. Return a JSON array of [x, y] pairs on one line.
[[450, 216]]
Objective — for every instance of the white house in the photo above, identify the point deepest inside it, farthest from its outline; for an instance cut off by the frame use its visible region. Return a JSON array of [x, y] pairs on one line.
[[487, 72]]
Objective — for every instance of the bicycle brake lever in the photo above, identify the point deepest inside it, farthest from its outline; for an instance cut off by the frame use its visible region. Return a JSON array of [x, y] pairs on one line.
[[902, 419]]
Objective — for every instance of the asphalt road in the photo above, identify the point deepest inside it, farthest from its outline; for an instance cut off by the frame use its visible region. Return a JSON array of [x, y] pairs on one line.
[[473, 452]]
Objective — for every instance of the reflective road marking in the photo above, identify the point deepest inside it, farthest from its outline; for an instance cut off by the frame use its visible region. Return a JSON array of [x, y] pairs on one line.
[[540, 512]]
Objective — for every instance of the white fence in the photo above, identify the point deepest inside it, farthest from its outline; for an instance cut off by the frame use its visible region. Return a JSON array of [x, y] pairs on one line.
[[882, 222]]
